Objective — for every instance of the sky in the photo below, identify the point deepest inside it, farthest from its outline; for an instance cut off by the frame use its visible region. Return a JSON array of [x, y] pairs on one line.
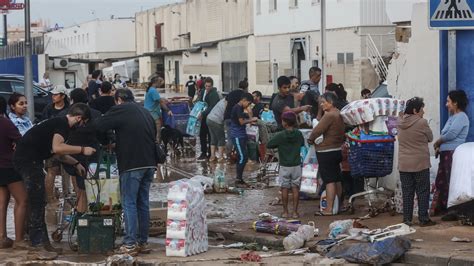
[[70, 12]]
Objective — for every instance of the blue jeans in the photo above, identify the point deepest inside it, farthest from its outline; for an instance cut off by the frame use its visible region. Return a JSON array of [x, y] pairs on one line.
[[135, 192]]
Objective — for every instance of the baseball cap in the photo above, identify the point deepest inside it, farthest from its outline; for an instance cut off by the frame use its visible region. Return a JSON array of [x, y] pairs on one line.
[[58, 89]]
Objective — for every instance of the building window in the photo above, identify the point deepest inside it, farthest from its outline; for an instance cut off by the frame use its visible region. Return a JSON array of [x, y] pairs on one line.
[[273, 5], [259, 7], [293, 3], [350, 58], [340, 59], [315, 2]]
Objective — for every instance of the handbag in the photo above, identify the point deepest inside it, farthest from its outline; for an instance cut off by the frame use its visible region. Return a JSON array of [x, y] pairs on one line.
[[160, 154]]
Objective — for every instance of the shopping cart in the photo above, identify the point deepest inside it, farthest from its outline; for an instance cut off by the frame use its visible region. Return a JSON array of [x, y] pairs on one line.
[[180, 107], [372, 159]]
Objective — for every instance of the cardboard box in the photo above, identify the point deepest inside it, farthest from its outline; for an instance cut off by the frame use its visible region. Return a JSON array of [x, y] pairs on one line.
[[158, 218]]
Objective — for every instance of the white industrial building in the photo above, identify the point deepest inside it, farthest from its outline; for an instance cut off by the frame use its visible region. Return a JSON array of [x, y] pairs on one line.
[[287, 36], [72, 53]]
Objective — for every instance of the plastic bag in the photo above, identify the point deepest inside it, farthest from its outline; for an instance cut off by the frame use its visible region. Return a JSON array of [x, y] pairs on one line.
[[380, 252], [293, 241], [461, 188], [341, 227], [268, 116], [323, 204], [252, 133]]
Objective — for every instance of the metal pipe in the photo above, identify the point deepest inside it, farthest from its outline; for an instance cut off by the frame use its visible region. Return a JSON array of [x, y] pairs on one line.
[[28, 64], [452, 83], [5, 30], [323, 45]]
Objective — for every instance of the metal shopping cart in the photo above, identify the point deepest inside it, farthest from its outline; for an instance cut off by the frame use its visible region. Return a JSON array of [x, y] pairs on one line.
[[180, 106], [372, 159]]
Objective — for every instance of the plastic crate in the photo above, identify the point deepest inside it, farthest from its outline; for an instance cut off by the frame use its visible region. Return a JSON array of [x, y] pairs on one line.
[[371, 158], [96, 234]]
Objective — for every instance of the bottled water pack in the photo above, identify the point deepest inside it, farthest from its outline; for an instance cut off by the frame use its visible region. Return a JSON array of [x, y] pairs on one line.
[[186, 229]]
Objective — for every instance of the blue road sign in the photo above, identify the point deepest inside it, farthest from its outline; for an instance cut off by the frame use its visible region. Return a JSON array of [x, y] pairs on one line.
[[451, 14]]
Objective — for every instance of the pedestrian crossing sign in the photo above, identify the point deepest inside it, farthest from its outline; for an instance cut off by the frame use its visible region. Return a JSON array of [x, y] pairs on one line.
[[451, 14]]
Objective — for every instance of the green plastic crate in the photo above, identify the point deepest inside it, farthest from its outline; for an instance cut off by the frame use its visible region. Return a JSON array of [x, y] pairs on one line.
[[96, 234]]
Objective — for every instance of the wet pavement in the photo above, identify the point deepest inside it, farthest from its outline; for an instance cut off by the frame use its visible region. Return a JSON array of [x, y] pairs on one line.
[[233, 214]]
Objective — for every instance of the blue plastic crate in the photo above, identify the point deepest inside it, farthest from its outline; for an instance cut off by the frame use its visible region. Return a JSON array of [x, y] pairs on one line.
[[371, 159]]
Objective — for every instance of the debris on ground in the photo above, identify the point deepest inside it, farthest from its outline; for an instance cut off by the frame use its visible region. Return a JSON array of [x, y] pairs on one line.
[[121, 260], [268, 223], [462, 240], [389, 232], [312, 258], [340, 229], [233, 245], [328, 261], [380, 252], [250, 256], [42, 255], [297, 239]]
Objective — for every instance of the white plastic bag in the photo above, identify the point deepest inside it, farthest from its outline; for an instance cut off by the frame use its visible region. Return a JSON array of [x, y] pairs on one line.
[[294, 241], [252, 133], [461, 187]]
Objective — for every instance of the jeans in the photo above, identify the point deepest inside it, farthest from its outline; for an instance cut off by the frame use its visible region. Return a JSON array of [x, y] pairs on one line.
[[205, 137], [241, 147], [135, 192], [33, 175]]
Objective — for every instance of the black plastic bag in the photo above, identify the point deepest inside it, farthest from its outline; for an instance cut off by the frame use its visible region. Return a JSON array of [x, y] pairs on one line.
[[380, 252]]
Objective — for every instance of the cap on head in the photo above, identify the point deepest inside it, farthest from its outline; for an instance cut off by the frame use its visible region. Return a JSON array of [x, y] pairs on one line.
[[59, 89]]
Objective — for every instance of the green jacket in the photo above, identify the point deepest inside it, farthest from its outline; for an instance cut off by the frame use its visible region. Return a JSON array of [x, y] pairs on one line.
[[289, 144], [212, 98]]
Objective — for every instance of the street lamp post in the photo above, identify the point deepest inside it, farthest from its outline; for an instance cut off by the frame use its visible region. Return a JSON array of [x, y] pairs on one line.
[[323, 44], [28, 64]]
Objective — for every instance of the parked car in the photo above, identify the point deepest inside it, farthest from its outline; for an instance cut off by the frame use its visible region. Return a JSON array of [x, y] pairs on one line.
[[15, 83]]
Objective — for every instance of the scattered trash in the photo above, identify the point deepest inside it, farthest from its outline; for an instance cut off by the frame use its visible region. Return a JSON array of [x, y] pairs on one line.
[[217, 214], [380, 252], [42, 256], [418, 240], [233, 245], [340, 229], [286, 253], [293, 241], [265, 248], [390, 232], [276, 201], [251, 257], [220, 185], [323, 246], [276, 225], [121, 260], [462, 240]]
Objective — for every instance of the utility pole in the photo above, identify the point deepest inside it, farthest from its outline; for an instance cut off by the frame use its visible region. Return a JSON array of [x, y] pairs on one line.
[[5, 29], [323, 45], [28, 64]]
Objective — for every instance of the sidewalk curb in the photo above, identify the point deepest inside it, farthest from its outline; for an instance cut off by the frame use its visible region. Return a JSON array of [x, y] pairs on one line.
[[420, 257]]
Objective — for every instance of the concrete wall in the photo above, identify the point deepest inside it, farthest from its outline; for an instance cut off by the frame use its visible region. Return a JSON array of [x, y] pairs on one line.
[[414, 70], [306, 16], [106, 36], [207, 62], [276, 49]]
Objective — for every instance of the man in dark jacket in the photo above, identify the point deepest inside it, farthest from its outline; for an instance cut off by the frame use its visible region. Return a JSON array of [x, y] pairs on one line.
[[211, 97], [136, 136]]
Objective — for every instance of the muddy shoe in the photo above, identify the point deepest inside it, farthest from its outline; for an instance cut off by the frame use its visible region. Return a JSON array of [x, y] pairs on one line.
[[144, 248], [130, 250], [427, 223], [241, 184], [48, 247], [21, 245], [6, 243]]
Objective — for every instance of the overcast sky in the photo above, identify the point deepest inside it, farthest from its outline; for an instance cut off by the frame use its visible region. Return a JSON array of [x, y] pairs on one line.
[[70, 12]]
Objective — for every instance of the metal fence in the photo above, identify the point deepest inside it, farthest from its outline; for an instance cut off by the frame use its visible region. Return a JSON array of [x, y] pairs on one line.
[[17, 49]]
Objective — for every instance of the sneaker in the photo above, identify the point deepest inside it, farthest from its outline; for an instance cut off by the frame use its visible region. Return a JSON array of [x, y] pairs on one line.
[[130, 250], [427, 223], [241, 184], [203, 157], [144, 248], [50, 248]]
